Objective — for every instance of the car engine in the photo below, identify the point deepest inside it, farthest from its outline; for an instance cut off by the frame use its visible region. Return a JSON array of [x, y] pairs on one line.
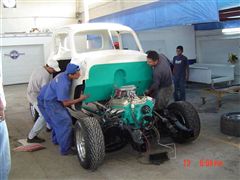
[[127, 117], [135, 111]]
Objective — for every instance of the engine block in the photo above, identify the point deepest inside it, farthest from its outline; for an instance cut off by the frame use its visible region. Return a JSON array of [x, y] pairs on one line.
[[137, 111]]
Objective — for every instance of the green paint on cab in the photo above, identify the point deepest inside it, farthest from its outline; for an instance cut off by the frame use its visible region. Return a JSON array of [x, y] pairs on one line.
[[104, 78]]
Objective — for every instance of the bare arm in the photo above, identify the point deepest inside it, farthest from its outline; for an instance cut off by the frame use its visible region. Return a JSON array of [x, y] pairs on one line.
[[67, 103]]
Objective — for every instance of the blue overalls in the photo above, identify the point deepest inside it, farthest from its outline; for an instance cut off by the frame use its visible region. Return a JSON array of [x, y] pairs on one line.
[[57, 91], [42, 109]]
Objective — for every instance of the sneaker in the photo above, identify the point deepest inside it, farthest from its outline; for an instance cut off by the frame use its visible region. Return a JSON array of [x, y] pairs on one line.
[[35, 140]]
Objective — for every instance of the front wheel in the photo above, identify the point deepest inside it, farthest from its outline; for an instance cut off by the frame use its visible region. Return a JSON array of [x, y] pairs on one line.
[[188, 118], [89, 141]]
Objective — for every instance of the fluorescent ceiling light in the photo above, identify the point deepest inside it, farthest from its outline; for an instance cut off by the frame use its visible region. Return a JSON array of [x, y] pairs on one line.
[[231, 31], [231, 17]]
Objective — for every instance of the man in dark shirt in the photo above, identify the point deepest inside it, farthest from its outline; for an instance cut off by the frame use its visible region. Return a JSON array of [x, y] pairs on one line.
[[180, 74], [162, 87]]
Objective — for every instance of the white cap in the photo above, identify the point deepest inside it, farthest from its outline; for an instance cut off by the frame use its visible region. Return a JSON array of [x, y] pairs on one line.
[[54, 64]]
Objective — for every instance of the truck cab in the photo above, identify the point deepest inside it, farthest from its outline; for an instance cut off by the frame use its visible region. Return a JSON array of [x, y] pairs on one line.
[[109, 55]]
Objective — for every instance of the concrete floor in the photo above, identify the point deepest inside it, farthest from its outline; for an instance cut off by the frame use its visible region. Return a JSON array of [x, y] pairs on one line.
[[125, 164]]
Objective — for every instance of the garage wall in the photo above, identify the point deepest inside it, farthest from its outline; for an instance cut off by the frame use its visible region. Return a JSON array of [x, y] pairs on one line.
[[114, 6], [30, 52], [40, 14], [213, 47], [19, 70], [165, 40], [50, 14]]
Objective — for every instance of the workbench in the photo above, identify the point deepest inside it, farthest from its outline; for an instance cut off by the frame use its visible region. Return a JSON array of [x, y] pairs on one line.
[[220, 92], [211, 73]]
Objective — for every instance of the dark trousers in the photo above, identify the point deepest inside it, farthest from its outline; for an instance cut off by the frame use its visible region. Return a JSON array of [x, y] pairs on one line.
[[163, 97], [179, 86]]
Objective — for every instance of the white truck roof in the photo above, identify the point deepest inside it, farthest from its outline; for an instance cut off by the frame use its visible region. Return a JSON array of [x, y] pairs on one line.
[[93, 26]]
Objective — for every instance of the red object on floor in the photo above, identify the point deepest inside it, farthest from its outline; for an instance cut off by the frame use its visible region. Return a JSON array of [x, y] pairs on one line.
[[29, 148]]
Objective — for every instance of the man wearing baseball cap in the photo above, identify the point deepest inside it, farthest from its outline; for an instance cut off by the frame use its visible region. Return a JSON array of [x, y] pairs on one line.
[[38, 79], [56, 99]]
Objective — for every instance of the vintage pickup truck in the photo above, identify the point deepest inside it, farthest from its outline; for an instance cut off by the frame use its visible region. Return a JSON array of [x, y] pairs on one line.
[[115, 74]]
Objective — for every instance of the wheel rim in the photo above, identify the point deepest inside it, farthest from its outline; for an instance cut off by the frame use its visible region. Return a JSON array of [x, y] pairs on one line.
[[180, 118], [234, 116], [80, 142]]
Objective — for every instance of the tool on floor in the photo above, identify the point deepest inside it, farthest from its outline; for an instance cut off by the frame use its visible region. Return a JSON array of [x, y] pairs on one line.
[[28, 147], [158, 158]]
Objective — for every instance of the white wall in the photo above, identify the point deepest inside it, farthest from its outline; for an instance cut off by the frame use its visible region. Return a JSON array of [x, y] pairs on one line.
[[213, 47], [165, 40], [105, 7], [18, 70], [53, 13], [34, 13], [35, 49]]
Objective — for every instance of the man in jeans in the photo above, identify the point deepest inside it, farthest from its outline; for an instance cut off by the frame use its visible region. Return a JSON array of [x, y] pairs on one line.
[[162, 86], [38, 79], [5, 157], [180, 74]]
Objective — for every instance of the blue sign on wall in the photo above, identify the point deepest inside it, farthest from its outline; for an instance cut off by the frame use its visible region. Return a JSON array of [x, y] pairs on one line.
[[14, 54]]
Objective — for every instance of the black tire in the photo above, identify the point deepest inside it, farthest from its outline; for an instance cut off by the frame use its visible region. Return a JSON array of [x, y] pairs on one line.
[[188, 116], [34, 113], [230, 124], [89, 130]]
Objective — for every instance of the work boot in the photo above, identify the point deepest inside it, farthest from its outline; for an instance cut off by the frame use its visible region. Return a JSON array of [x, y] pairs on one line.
[[35, 140]]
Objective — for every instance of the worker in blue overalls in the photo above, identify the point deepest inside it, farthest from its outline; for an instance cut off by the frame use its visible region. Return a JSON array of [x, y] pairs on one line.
[[40, 100], [56, 99]]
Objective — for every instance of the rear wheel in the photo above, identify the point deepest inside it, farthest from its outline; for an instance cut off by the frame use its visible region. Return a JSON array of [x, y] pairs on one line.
[[187, 116], [89, 142]]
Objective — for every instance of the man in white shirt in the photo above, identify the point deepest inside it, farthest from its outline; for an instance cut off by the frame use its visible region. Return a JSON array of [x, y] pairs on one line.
[[38, 79]]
